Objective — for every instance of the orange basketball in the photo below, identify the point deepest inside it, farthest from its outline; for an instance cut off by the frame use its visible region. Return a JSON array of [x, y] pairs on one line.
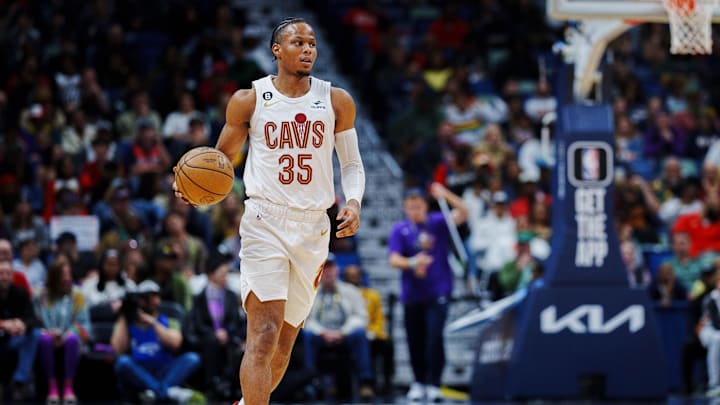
[[204, 176]]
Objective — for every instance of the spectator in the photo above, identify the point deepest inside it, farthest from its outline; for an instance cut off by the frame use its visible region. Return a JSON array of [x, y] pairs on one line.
[[685, 267], [24, 224], [702, 227], [65, 327], [216, 329], [637, 208], [110, 287], [192, 259], [664, 289], [637, 274], [78, 136], [666, 185], [18, 331], [18, 278], [449, 30], [663, 138], [541, 103], [339, 318], [493, 238], [128, 121], [83, 264], [419, 247], [147, 345], [146, 154], [516, 273], [30, 264], [166, 274], [492, 150], [687, 201], [381, 347], [177, 123], [628, 141], [468, 115]]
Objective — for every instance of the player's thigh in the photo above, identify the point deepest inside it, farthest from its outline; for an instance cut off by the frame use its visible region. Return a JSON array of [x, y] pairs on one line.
[[264, 265], [306, 264]]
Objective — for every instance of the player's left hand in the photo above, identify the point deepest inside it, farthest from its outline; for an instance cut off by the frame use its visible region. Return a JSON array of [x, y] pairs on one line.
[[350, 216]]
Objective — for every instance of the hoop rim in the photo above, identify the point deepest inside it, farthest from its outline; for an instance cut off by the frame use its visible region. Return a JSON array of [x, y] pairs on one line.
[[635, 12]]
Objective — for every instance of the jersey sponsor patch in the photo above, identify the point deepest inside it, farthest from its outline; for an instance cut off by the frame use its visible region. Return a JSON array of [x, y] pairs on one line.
[[267, 95], [318, 105]]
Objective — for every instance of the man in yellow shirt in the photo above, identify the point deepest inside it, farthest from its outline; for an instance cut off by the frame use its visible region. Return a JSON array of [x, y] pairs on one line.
[[381, 346]]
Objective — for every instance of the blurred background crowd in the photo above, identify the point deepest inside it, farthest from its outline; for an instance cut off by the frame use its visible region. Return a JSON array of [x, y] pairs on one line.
[[98, 99]]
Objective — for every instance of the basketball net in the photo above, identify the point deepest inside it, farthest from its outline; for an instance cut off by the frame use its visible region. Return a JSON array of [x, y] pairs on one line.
[[690, 25]]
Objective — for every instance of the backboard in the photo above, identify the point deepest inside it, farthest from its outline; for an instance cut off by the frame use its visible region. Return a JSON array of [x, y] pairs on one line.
[[631, 10]]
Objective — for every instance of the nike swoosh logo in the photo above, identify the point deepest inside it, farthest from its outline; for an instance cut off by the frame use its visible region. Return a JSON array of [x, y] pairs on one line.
[[322, 233], [268, 104]]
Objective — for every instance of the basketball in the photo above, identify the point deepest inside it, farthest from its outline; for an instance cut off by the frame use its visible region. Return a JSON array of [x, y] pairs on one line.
[[204, 176]]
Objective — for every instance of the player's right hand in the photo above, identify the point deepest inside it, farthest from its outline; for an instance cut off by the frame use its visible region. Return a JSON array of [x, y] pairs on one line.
[[178, 194]]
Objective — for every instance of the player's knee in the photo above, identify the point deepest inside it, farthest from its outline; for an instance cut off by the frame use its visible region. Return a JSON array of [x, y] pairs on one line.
[[266, 339]]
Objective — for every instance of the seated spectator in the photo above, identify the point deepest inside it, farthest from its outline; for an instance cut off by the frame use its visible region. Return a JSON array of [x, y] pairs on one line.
[[83, 264], [30, 264], [637, 274], [146, 154], [24, 224], [541, 103], [517, 273], [127, 121], [468, 115], [18, 332], [703, 228], [65, 323], [381, 347], [687, 201], [216, 329], [686, 267], [637, 208], [18, 278], [664, 138], [492, 150], [109, 288], [666, 185], [147, 345], [664, 289], [628, 141], [167, 274], [192, 260], [177, 123], [338, 319]]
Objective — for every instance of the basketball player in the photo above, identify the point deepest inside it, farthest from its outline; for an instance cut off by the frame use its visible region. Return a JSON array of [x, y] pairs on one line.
[[292, 121]]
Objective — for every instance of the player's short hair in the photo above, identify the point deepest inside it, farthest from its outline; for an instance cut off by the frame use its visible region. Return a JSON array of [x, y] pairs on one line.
[[280, 28]]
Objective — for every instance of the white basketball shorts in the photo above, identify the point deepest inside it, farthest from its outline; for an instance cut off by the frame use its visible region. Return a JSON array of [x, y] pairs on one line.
[[282, 254]]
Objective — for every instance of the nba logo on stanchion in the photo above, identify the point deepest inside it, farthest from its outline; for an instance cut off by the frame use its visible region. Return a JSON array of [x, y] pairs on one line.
[[590, 164]]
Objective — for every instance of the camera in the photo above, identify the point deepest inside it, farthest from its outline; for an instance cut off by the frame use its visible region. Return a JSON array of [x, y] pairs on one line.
[[132, 303]]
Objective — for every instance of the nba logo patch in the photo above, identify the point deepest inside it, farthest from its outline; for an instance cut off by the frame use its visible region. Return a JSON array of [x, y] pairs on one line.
[[590, 164]]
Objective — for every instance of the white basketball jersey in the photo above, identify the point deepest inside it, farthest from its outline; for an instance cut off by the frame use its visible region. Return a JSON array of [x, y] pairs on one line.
[[291, 145]]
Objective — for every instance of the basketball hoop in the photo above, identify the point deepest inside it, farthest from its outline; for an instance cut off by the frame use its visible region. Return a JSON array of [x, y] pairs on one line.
[[690, 25]]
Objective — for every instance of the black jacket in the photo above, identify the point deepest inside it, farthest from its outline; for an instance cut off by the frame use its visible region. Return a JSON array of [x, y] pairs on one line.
[[199, 325], [16, 304]]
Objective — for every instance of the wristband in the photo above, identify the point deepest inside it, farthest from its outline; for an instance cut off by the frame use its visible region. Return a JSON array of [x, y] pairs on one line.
[[412, 262]]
